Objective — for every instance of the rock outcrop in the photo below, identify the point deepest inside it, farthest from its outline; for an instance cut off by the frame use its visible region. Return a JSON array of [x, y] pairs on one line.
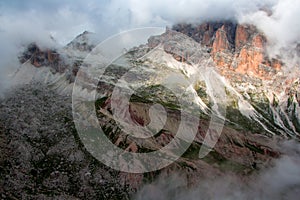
[[42, 57], [221, 42], [82, 42], [46, 157], [238, 47]]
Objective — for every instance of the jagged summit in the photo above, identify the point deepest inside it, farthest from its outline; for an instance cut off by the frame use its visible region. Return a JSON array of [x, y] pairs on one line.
[[60, 61], [85, 42], [40, 57], [238, 47], [262, 106], [238, 53]]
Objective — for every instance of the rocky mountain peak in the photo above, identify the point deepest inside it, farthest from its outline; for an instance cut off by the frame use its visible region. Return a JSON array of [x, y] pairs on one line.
[[83, 42], [216, 55], [242, 36], [40, 57], [221, 42], [240, 48]]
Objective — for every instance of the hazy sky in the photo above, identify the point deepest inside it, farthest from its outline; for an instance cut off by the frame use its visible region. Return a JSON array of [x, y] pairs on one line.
[[64, 19], [27, 21]]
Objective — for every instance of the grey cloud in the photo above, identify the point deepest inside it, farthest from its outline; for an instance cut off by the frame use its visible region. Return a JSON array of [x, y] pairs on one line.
[[22, 22], [281, 181], [282, 28]]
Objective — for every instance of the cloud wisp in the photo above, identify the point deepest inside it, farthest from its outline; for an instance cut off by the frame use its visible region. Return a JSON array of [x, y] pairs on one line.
[[22, 22], [281, 181]]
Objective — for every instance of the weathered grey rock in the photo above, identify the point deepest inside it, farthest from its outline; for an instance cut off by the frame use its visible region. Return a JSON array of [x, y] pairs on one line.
[[41, 158]]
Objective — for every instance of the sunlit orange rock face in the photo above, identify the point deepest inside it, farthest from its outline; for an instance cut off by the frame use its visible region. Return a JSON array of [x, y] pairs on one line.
[[241, 36], [44, 57], [248, 61], [39, 57], [247, 55], [253, 60], [221, 48], [250, 58], [220, 43], [236, 47]]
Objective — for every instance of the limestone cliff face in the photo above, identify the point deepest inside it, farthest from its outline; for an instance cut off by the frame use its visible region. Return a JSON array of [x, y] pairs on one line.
[[253, 111], [221, 42], [39, 57], [242, 36], [237, 47]]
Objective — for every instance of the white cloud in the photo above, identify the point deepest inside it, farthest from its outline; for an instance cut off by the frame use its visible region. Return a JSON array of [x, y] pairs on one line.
[[31, 21], [282, 28], [27, 21], [149, 12]]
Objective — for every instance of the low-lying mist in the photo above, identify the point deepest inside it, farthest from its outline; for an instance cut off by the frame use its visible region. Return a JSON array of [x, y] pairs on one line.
[[279, 181]]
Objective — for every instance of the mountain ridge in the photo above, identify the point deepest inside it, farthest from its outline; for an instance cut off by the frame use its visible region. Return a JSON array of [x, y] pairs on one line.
[[239, 47], [237, 51], [262, 104]]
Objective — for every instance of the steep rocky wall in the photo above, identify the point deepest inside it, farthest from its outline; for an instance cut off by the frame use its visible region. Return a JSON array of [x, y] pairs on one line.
[[237, 47]]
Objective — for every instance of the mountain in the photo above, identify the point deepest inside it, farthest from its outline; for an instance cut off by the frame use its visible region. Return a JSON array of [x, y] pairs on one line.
[[240, 48], [216, 71], [240, 54]]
